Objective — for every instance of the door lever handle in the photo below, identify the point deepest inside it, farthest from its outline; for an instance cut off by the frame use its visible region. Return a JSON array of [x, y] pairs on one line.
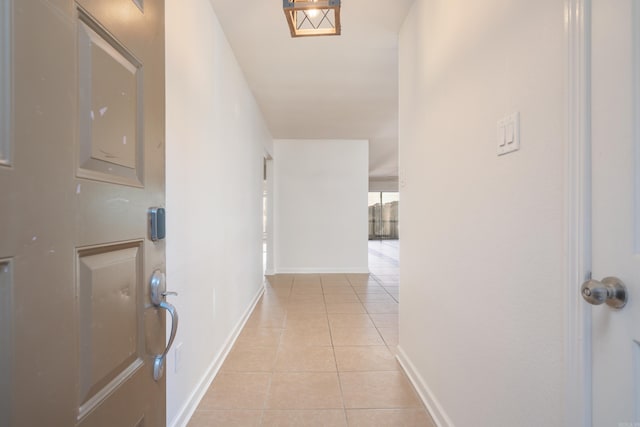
[[159, 360], [158, 294]]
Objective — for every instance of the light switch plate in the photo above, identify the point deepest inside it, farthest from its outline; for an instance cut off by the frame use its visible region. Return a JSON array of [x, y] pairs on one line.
[[508, 136]]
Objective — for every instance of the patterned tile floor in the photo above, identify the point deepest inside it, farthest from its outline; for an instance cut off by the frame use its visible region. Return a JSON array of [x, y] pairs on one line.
[[318, 350]]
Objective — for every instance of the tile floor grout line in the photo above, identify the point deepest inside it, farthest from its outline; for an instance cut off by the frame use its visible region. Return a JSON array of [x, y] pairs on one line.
[[288, 307], [335, 360]]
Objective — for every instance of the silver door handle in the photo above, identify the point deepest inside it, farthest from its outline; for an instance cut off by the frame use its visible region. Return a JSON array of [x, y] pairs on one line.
[[159, 360], [158, 294], [610, 290]]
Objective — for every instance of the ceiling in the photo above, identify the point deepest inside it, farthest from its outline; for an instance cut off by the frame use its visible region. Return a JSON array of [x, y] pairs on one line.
[[336, 87]]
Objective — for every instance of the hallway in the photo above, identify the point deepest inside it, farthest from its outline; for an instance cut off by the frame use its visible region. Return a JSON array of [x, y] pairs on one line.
[[318, 350]]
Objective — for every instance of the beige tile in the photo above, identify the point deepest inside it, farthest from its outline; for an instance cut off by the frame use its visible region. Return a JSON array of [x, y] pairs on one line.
[[345, 307], [340, 298], [381, 307], [306, 290], [365, 358], [259, 337], [335, 282], [250, 359], [389, 417], [266, 308], [273, 302], [232, 390], [280, 280], [350, 321], [307, 307], [272, 306], [378, 298], [318, 337], [308, 280], [306, 359], [375, 297], [394, 350], [356, 336], [370, 289], [344, 284], [304, 391], [306, 299], [390, 335], [371, 283], [358, 277], [384, 320], [305, 315], [338, 290], [273, 295], [306, 320], [307, 287], [225, 418], [277, 284], [266, 319], [380, 390], [305, 418], [388, 276]]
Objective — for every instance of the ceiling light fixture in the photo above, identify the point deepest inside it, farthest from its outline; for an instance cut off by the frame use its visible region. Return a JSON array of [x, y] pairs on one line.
[[312, 17]]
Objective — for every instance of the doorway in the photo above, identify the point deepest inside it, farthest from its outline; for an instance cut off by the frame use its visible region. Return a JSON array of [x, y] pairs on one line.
[[383, 215]]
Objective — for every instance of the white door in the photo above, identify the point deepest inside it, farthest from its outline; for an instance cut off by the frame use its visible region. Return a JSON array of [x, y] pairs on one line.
[[616, 208]]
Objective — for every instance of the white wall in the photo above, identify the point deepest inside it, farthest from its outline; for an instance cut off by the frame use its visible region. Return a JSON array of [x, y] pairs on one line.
[[482, 309], [216, 139], [320, 213]]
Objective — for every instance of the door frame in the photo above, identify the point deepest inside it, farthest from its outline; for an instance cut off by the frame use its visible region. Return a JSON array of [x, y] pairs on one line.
[[578, 361], [268, 159]]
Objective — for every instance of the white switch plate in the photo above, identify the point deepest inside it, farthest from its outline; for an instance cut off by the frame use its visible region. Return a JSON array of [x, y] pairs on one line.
[[508, 136]]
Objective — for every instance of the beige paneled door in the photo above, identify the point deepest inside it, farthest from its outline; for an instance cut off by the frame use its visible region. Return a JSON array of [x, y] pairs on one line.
[[616, 208], [81, 164]]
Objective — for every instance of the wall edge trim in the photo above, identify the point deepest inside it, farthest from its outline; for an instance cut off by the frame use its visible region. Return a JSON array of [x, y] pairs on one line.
[[188, 409], [432, 404]]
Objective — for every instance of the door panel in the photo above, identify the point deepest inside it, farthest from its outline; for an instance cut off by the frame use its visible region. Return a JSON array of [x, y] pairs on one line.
[[110, 80], [87, 164], [110, 320], [616, 214]]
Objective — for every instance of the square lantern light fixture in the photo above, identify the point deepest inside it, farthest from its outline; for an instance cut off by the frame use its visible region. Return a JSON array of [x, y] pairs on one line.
[[313, 17]]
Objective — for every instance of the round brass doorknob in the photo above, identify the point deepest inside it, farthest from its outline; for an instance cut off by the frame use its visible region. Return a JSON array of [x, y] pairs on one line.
[[610, 291]]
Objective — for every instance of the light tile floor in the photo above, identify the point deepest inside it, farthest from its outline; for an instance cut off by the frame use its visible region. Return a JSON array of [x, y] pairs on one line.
[[318, 350]]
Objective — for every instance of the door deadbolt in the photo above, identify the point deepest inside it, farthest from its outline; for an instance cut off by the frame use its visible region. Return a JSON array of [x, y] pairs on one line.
[[157, 226]]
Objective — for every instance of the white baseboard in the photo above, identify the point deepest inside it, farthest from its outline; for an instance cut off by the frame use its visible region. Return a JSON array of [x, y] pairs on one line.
[[187, 410], [355, 270], [433, 406]]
